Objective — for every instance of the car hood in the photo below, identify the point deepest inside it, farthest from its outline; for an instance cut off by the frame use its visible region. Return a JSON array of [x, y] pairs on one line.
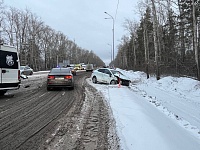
[[121, 76]]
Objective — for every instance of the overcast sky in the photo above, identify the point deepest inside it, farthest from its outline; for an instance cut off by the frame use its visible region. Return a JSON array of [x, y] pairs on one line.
[[84, 20]]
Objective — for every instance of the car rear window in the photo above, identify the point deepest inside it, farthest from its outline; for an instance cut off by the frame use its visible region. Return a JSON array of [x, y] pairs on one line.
[[66, 70]]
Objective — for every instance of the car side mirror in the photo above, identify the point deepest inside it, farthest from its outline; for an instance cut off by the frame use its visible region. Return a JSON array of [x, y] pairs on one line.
[[110, 75]]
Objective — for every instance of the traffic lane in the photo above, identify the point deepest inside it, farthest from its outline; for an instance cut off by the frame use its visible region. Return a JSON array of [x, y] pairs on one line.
[[30, 114]]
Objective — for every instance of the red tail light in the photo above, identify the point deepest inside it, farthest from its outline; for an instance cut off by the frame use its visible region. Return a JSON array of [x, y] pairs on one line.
[[68, 77], [51, 77], [18, 74]]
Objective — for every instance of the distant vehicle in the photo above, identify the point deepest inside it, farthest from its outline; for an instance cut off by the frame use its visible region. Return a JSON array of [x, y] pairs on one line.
[[60, 78], [9, 69], [110, 76], [26, 70], [72, 70], [77, 67], [83, 67], [89, 67]]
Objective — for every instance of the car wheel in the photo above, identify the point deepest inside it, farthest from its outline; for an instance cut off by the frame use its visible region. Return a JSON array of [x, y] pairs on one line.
[[31, 73], [112, 82], [48, 88], [94, 79]]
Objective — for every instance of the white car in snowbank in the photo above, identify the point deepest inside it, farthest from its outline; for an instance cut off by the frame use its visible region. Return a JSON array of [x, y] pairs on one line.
[[110, 76]]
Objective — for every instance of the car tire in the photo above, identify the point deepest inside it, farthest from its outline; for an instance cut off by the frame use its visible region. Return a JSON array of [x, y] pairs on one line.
[[48, 88], [112, 82], [31, 73], [94, 79]]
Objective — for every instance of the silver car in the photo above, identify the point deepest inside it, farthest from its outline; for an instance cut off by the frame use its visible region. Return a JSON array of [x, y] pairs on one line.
[[26, 70], [60, 78]]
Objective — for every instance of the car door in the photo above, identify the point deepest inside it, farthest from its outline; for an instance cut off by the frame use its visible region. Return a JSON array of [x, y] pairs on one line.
[[107, 76], [27, 70], [99, 74]]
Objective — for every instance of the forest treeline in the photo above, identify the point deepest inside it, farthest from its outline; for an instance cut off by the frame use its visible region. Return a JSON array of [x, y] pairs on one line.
[[166, 41], [40, 46]]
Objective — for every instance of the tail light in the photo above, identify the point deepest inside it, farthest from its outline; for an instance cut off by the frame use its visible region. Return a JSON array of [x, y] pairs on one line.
[[18, 74], [68, 77], [51, 77]]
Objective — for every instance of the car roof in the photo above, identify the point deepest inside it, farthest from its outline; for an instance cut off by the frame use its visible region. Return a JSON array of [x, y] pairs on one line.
[[105, 68]]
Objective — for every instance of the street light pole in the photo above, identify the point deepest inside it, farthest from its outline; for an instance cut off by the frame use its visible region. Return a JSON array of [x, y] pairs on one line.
[[113, 33], [110, 53]]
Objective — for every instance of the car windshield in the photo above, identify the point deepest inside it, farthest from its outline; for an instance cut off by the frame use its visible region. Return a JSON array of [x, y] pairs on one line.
[[116, 72], [60, 70]]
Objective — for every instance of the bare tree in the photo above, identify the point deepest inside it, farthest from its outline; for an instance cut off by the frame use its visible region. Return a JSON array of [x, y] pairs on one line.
[[39, 45], [1, 18], [1, 11], [155, 31], [131, 27], [146, 47]]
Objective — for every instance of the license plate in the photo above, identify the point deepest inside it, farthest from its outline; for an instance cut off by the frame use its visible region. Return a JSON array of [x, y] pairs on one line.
[[59, 78]]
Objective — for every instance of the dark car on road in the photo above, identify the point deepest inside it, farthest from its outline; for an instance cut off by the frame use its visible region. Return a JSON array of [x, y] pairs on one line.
[[60, 78]]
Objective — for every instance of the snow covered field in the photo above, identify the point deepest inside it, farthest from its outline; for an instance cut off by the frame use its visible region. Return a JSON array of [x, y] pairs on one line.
[[151, 114]]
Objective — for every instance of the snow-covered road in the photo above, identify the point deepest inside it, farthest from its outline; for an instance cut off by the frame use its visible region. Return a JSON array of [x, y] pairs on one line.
[[152, 114]]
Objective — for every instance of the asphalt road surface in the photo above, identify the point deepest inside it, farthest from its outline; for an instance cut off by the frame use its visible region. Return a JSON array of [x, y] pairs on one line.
[[34, 118]]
